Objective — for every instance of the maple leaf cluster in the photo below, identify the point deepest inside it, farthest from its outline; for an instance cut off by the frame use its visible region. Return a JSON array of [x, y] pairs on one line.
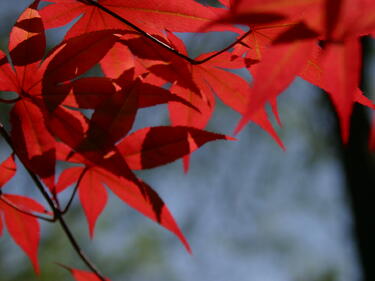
[[145, 64]]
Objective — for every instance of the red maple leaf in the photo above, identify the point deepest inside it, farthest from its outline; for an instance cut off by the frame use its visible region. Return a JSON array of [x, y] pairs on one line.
[[22, 227], [180, 16]]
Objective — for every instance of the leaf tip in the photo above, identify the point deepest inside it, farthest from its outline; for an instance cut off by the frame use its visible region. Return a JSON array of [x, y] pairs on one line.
[[231, 138]]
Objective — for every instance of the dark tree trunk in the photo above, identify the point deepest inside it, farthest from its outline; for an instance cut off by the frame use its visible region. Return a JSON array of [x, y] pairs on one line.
[[359, 168], [360, 176]]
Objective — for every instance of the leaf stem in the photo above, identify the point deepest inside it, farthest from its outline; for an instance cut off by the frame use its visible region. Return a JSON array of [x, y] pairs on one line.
[[56, 211], [10, 204], [10, 101], [74, 191], [37, 182], [78, 249], [239, 40], [157, 41]]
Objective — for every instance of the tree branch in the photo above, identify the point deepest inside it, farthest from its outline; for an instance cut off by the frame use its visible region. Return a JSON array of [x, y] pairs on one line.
[[78, 249], [35, 179], [157, 41], [74, 191], [56, 211]]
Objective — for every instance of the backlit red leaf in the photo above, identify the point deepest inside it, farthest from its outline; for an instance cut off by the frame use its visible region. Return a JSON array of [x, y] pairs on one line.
[[24, 229], [77, 55], [341, 69], [155, 146], [8, 79], [25, 203], [68, 177], [117, 60], [27, 44], [7, 170], [93, 197], [87, 92], [278, 68], [234, 91], [68, 125], [181, 16], [113, 119], [33, 142], [138, 195]]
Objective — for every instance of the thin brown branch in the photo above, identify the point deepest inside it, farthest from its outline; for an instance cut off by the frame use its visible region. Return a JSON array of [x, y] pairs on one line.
[[56, 211], [74, 191], [36, 180], [78, 249], [157, 41], [239, 40]]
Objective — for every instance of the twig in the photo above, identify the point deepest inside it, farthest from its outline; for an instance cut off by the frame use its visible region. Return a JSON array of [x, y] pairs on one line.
[[37, 182], [74, 191], [78, 249], [239, 40], [56, 211], [157, 41]]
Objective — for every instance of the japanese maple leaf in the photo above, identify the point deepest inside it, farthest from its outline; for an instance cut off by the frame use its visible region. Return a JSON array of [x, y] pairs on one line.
[[151, 57], [341, 65], [37, 84], [186, 104], [341, 57], [155, 146], [32, 142], [147, 57], [7, 170], [113, 119], [341, 62], [340, 23], [166, 67], [347, 18], [333, 71], [211, 78], [233, 90], [143, 149], [264, 12], [281, 48], [23, 228], [330, 19], [334, 21], [35, 78], [195, 83], [274, 73], [92, 193], [135, 193], [262, 36], [151, 16]]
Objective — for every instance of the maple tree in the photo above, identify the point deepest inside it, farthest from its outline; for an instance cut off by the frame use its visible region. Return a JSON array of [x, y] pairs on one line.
[[145, 64]]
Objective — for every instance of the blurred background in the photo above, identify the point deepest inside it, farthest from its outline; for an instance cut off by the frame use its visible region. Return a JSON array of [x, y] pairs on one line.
[[250, 211]]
